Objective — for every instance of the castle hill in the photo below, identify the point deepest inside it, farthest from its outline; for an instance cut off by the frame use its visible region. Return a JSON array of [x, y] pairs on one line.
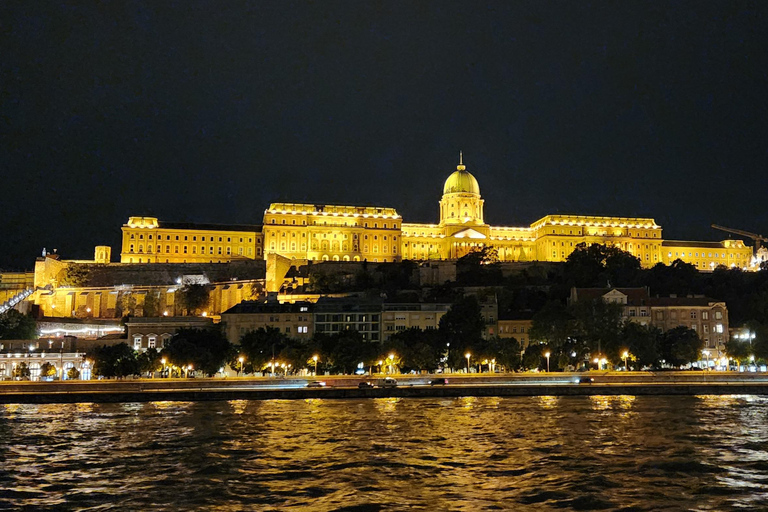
[[346, 298]]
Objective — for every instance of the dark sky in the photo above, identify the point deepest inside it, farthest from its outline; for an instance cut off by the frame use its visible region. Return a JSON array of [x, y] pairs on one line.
[[209, 111]]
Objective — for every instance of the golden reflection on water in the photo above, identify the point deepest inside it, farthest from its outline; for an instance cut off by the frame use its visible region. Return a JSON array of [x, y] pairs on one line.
[[166, 404], [386, 405], [314, 405], [548, 402], [718, 401], [609, 402], [238, 406], [528, 453], [13, 408], [468, 402], [84, 407]]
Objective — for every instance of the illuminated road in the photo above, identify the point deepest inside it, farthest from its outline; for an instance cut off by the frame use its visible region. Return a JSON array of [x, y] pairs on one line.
[[605, 383]]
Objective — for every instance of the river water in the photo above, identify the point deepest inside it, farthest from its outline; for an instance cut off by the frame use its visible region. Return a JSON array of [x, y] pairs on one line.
[[532, 453]]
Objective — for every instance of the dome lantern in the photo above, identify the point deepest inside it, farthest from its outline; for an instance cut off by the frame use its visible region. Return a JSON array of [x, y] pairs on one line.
[[461, 181]]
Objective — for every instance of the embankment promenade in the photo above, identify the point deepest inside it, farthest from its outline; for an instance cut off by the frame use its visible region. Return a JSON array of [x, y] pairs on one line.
[[414, 386]]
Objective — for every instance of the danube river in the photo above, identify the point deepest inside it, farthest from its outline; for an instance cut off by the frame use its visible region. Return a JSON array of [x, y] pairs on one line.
[[533, 453]]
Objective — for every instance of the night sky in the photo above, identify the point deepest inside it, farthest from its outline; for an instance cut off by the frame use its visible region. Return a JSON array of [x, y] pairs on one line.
[[209, 111]]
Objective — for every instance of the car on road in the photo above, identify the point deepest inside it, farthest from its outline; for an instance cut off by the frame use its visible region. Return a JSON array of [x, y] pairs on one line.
[[388, 382], [438, 382], [586, 380], [365, 385], [316, 384]]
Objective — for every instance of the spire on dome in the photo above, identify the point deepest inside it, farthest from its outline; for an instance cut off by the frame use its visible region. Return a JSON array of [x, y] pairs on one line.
[[461, 166]]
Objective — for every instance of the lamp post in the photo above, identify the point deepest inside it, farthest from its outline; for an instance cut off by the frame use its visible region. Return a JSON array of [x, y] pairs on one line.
[[241, 359], [314, 358], [381, 366], [597, 362], [706, 354], [467, 355], [162, 361], [391, 360], [547, 354], [602, 362], [625, 355]]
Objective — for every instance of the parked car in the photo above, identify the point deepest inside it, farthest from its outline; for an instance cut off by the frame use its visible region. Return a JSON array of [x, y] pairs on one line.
[[586, 380], [438, 382], [365, 385], [316, 384], [388, 382]]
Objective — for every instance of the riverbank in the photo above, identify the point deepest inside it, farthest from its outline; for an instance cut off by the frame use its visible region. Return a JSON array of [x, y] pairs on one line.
[[417, 386]]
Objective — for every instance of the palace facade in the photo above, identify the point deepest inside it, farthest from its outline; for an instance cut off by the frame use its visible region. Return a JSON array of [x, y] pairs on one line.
[[317, 232]]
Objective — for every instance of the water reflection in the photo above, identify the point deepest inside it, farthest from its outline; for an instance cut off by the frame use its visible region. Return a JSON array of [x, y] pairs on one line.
[[469, 453]]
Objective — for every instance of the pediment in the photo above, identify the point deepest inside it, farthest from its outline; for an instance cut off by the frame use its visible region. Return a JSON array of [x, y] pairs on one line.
[[468, 233]]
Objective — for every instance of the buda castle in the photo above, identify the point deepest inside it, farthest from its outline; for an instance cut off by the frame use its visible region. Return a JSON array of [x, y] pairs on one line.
[[318, 232]]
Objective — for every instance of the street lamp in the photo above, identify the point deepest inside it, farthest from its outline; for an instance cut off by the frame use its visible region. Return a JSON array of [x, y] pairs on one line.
[[314, 358], [162, 361], [547, 354], [597, 362], [625, 355], [467, 355], [391, 360], [241, 359], [602, 362], [706, 354], [381, 366]]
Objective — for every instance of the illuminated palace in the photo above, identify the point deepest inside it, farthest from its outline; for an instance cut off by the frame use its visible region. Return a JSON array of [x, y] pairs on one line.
[[378, 234]]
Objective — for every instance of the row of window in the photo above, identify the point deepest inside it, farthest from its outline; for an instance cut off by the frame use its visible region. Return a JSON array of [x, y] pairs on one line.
[[185, 250], [344, 223], [602, 233], [709, 255], [186, 238], [325, 235]]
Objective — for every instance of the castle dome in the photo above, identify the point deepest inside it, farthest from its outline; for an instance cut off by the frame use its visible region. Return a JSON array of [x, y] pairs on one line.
[[461, 181]]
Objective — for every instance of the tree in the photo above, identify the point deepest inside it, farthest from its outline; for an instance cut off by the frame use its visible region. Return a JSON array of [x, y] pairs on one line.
[[74, 275], [114, 361], [125, 305], [47, 370], [681, 346], [349, 350], [419, 350], [151, 304], [462, 326], [738, 350], [149, 361], [597, 265], [73, 373], [599, 325], [193, 297], [532, 358], [206, 350], [259, 347], [17, 326], [506, 351], [552, 324], [643, 343], [21, 371], [479, 266]]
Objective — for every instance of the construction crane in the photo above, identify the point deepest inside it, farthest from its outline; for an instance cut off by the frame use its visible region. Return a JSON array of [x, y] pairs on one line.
[[754, 236]]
